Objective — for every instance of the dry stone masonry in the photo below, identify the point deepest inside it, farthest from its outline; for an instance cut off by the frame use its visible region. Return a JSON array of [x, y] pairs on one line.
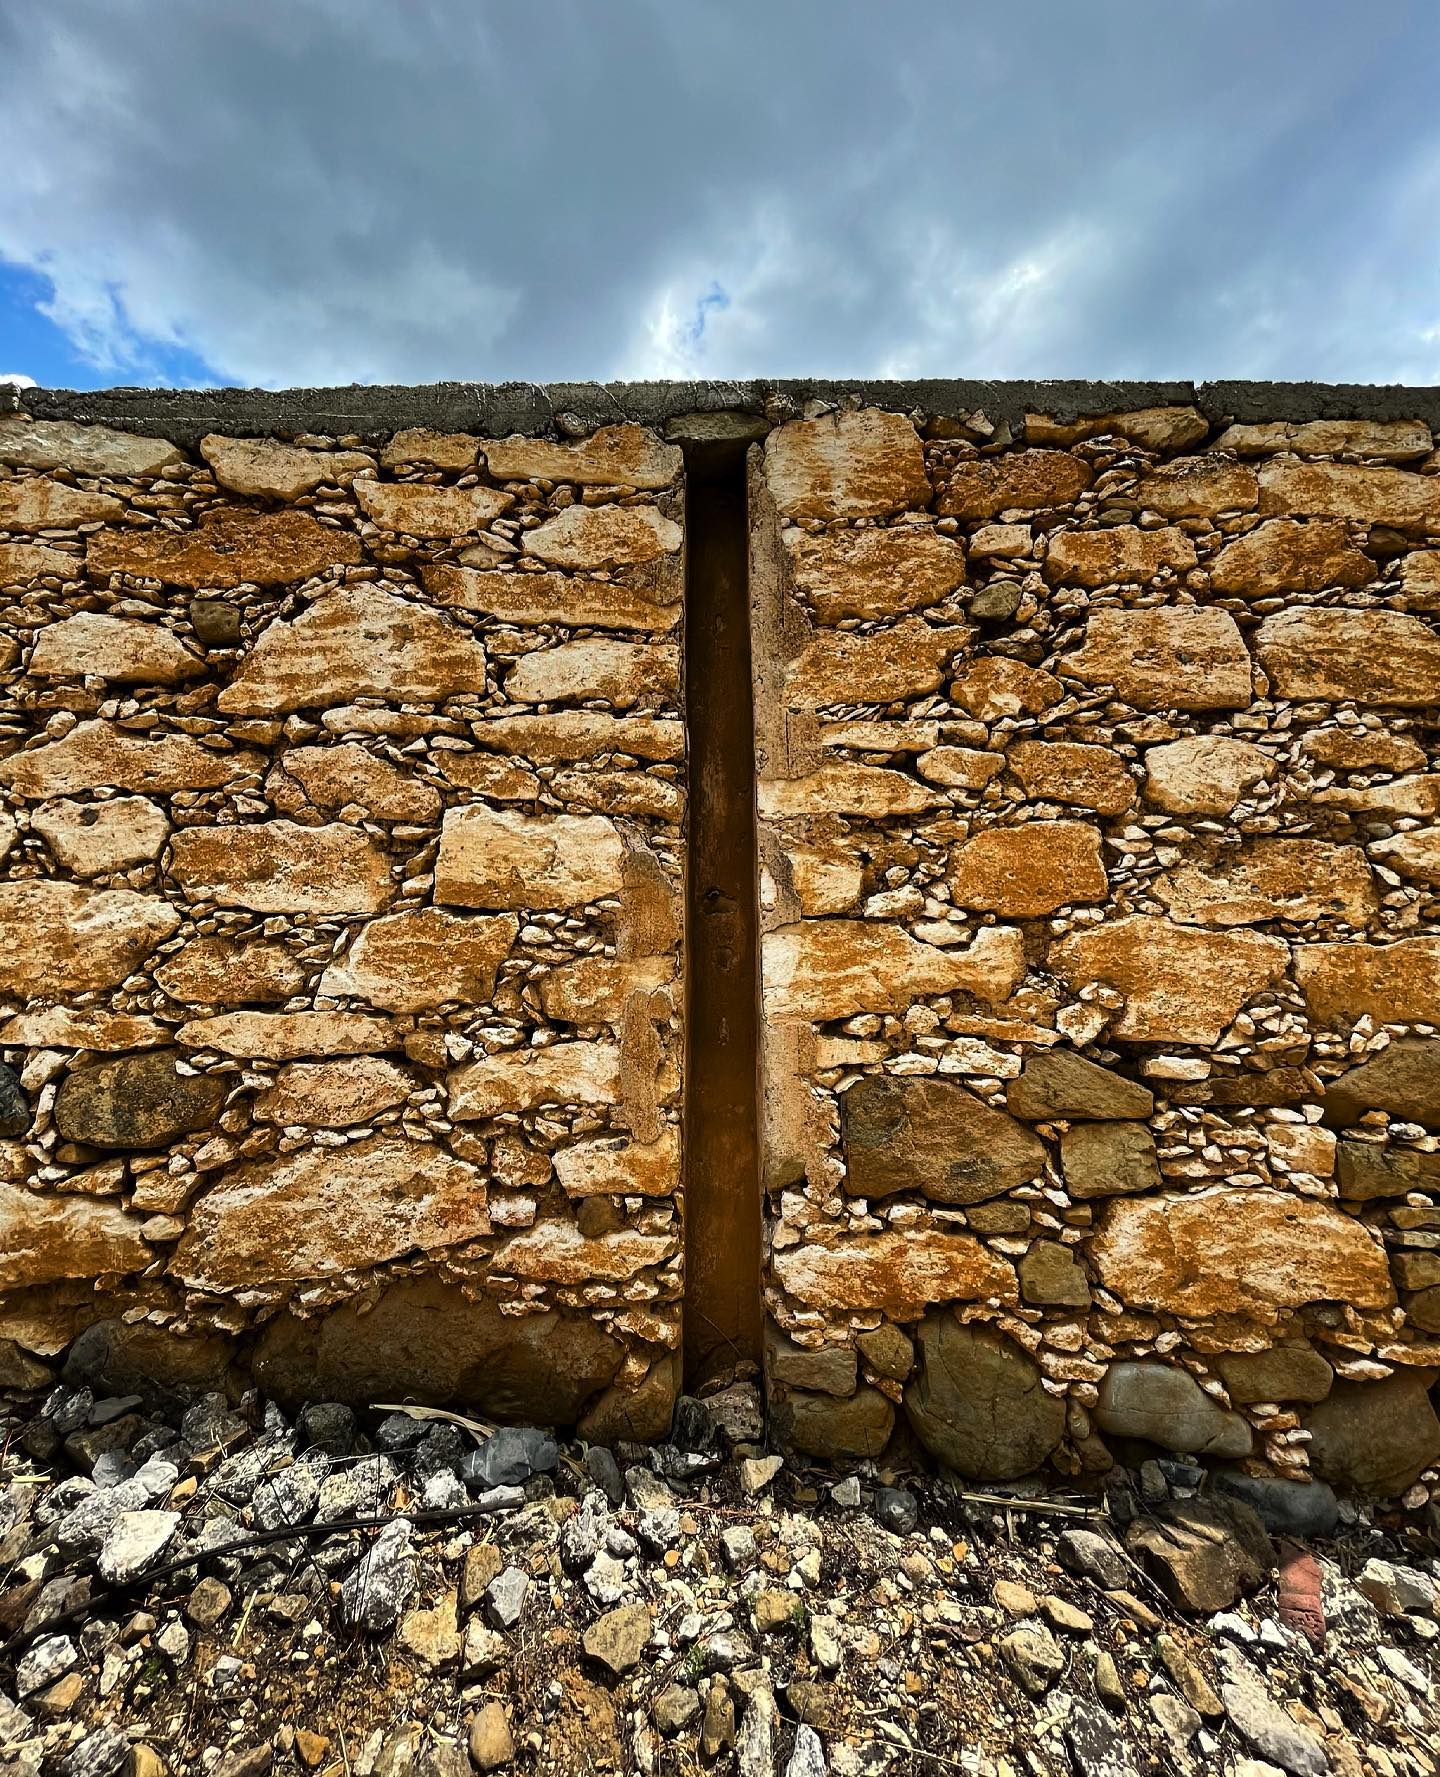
[[343, 783]]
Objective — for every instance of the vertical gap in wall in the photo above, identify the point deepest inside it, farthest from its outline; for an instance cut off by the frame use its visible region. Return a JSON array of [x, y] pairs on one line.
[[722, 1147]]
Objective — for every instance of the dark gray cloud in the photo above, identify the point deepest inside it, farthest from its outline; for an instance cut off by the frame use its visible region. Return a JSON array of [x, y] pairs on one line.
[[335, 190]]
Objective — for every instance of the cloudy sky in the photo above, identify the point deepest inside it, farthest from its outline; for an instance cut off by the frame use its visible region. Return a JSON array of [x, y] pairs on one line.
[[279, 192]]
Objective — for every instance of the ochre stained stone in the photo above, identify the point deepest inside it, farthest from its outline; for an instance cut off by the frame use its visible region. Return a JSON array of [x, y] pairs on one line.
[[39, 504], [230, 546], [1117, 555], [524, 1079], [593, 537], [1375, 1437], [832, 968], [899, 1275], [548, 598], [1380, 657], [618, 792], [493, 776], [963, 768], [333, 1094], [557, 1252], [57, 1027], [935, 1137], [1204, 773], [1156, 428], [98, 755], [1181, 984], [1198, 487], [424, 1340], [1394, 983], [20, 563], [137, 1101], [1403, 1079], [825, 879], [498, 859], [613, 456], [614, 1167], [1264, 879], [1251, 1253], [1181, 657], [882, 666], [1366, 750], [1059, 1083], [978, 1404], [842, 788], [1025, 871], [361, 641], [231, 972], [65, 939], [47, 1239], [95, 838], [597, 989], [87, 450], [997, 686], [279, 1036], [1393, 440], [847, 465], [583, 734], [272, 470], [619, 673], [280, 867], [1396, 497], [1283, 555], [323, 1211], [121, 649], [1416, 855], [1069, 772], [419, 446], [416, 510], [872, 573], [417, 961], [1109, 1160], [349, 775], [1024, 481]]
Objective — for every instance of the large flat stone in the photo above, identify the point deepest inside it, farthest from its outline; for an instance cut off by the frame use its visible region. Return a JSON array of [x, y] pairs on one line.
[[1369, 657], [583, 734], [333, 1094], [872, 573], [1395, 983], [418, 961], [281, 1036], [1198, 487], [978, 1403], [1025, 871], [280, 867], [1020, 481], [613, 456], [416, 510], [1072, 773], [1204, 773], [27, 443], [98, 755], [65, 939], [96, 838], [229, 546], [898, 1274], [589, 538], [1283, 555], [498, 859], [882, 666], [619, 673], [1392, 440], [557, 1252], [40, 504], [934, 1137], [349, 776], [1366, 1170], [49, 1239], [137, 1101], [20, 563], [1121, 554], [1180, 657], [1156, 428], [1344, 490], [1416, 854], [832, 968], [231, 972], [524, 1079], [122, 649], [271, 469], [1059, 1083], [549, 597], [1302, 880], [847, 465], [843, 788]]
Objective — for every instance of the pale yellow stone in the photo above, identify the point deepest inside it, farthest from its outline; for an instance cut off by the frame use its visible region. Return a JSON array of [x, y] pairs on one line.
[[1157, 428], [418, 961], [1204, 773], [613, 456], [524, 1079], [592, 537], [416, 510], [1396, 497], [362, 641], [995, 686], [281, 867], [231, 972], [1393, 440], [1181, 657], [1393, 983], [1369, 657], [881, 737], [58, 1027], [1416, 854], [332, 778], [39, 504], [61, 938], [499, 859], [431, 450], [1363, 750], [1417, 797], [872, 573], [960, 768], [323, 1211], [1121, 554], [26, 443], [1265, 879], [496, 778], [92, 645], [846, 465], [621, 792], [620, 673], [833, 968], [1181, 984], [549, 597], [1198, 487], [898, 1274], [1025, 871], [842, 788], [333, 1094], [557, 1252], [583, 734], [1005, 541], [98, 755], [826, 879], [1302, 1147], [597, 989], [281, 1036], [884, 666], [276, 471], [47, 1239], [1419, 572], [95, 838], [22, 562], [616, 1167]]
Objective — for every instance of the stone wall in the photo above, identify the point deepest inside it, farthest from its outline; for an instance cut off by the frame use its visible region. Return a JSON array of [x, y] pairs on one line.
[[1100, 898], [343, 784]]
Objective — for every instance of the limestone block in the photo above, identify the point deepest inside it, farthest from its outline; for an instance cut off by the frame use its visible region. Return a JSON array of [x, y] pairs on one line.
[[280, 867], [494, 777], [978, 1403], [962, 768], [1078, 775], [418, 961], [95, 838], [1198, 487], [39, 504], [897, 1274], [612, 456], [137, 1101], [872, 573], [842, 788], [1181, 984], [280, 1036], [1416, 855], [333, 1094], [1363, 751], [1380, 657], [557, 1252], [589, 538], [430, 450], [1252, 1253], [1283, 555], [583, 734], [98, 755], [1156, 428], [1395, 497], [884, 666], [21, 563], [1204, 773], [417, 510], [27, 443], [1395, 983], [230, 546], [1265, 879], [362, 641], [227, 972], [1182, 657], [499, 859], [614, 1167], [597, 989], [549, 597], [65, 939], [935, 1137], [276, 471], [58, 1027], [323, 1211], [1022, 872], [1118, 555], [1022, 481], [832, 968], [846, 465], [1393, 440], [996, 686], [619, 673], [47, 1239], [525, 1079], [349, 775], [91, 645]]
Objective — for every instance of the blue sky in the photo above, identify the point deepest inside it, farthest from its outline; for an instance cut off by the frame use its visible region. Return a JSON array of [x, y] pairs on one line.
[[320, 191]]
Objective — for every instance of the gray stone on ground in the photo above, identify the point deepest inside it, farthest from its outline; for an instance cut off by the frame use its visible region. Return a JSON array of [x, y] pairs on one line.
[[510, 1457], [45, 1661], [1033, 1657], [1263, 1724], [1094, 1557], [135, 1541], [382, 1582], [505, 1597], [1286, 1508]]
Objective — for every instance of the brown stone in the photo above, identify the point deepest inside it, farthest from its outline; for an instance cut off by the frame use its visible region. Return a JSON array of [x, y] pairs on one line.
[[1025, 871], [430, 450], [1265, 879], [963, 768], [66, 939], [273, 470], [494, 777], [548, 598], [935, 1137], [1283, 555], [1204, 1554], [121, 649], [20, 563], [978, 1403], [1181, 984], [997, 686], [1198, 487], [227, 972], [1416, 855], [525, 1079], [417, 510], [1395, 440], [1180, 657], [1415, 797], [361, 641], [279, 1036], [1068, 772], [27, 443], [39, 504], [1283, 1373], [842, 788], [883, 666], [1365, 1171], [498, 859], [1395, 983], [887, 1352], [897, 1275], [1156, 428], [1254, 1253], [1381, 657], [620, 673], [279, 867], [1022, 481], [1364, 751], [96, 838], [1051, 1277], [847, 465], [824, 1369], [420, 960], [614, 1167], [1403, 1080], [558, 1252], [324, 1211], [1394, 497], [593, 537], [349, 776], [613, 456], [1204, 773], [832, 968], [1059, 1083], [137, 1101], [583, 734], [1109, 1160], [833, 1430], [617, 792], [47, 1239], [873, 573], [597, 989], [1118, 555], [1375, 1437], [333, 1094], [229, 546], [98, 755]]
